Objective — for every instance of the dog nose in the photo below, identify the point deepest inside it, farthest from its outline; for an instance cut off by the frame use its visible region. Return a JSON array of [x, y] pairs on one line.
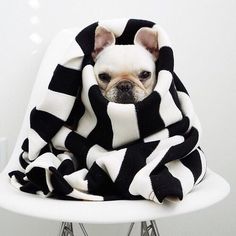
[[125, 86]]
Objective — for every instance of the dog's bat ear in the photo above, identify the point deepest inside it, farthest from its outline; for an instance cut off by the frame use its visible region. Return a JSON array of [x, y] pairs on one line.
[[147, 38], [103, 38]]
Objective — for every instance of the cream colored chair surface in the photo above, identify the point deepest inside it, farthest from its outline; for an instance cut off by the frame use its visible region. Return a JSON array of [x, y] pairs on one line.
[[212, 190]]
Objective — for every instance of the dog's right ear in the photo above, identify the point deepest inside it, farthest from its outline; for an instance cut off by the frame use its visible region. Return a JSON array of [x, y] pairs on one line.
[[103, 38]]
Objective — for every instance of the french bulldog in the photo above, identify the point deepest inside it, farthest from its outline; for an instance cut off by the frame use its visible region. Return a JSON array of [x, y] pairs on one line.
[[125, 73]]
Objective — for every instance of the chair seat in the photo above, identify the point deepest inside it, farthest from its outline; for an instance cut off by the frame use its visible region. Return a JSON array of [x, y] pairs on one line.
[[213, 189]]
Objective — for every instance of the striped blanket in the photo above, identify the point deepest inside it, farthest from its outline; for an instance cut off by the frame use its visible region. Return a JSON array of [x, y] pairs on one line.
[[81, 146]]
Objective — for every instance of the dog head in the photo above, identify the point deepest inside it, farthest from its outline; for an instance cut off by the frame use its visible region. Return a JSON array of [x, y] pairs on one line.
[[125, 73]]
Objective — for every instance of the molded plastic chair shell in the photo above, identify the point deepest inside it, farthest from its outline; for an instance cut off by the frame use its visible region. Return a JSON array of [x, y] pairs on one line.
[[212, 190]]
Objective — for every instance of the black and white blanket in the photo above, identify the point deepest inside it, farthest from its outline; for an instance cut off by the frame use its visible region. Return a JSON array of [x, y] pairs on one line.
[[81, 146]]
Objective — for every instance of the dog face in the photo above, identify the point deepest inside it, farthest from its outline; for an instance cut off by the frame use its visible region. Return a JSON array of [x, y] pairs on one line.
[[125, 73]]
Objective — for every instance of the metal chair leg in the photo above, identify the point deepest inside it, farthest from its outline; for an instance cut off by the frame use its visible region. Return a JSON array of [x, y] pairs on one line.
[[66, 229], [144, 229], [130, 228], [149, 230], [83, 229], [155, 228]]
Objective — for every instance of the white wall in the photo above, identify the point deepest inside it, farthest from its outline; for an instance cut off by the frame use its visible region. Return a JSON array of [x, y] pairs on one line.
[[203, 35]]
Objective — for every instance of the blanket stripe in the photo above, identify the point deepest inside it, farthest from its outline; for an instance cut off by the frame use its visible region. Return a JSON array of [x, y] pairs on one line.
[[81, 146]]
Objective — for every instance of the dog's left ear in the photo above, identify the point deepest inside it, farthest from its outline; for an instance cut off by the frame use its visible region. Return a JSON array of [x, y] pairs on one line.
[[147, 38]]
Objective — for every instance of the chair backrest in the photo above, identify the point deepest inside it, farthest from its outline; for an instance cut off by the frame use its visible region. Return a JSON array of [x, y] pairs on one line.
[[52, 57]]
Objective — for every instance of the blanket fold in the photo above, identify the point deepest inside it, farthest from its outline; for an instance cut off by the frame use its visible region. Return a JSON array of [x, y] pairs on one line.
[[81, 146]]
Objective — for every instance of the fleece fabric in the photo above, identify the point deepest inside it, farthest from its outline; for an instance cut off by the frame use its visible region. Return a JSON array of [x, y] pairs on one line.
[[81, 146]]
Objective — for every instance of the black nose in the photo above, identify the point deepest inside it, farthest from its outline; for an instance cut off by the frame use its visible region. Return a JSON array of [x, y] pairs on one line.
[[125, 86]]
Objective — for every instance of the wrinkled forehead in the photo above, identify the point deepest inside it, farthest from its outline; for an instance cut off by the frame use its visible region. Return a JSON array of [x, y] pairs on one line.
[[124, 58]]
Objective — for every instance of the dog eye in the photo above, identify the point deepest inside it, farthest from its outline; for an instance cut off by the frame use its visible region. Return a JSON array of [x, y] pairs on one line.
[[144, 75], [104, 77]]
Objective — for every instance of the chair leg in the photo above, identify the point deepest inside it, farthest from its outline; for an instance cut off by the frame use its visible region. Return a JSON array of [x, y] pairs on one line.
[[130, 229], [155, 228], [66, 229], [149, 230], [83, 229], [146, 230]]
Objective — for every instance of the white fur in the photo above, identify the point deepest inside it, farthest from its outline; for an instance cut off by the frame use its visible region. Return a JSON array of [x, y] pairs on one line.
[[124, 62], [124, 58]]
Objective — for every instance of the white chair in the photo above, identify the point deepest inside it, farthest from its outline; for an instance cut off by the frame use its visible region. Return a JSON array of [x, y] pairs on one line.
[[213, 189]]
